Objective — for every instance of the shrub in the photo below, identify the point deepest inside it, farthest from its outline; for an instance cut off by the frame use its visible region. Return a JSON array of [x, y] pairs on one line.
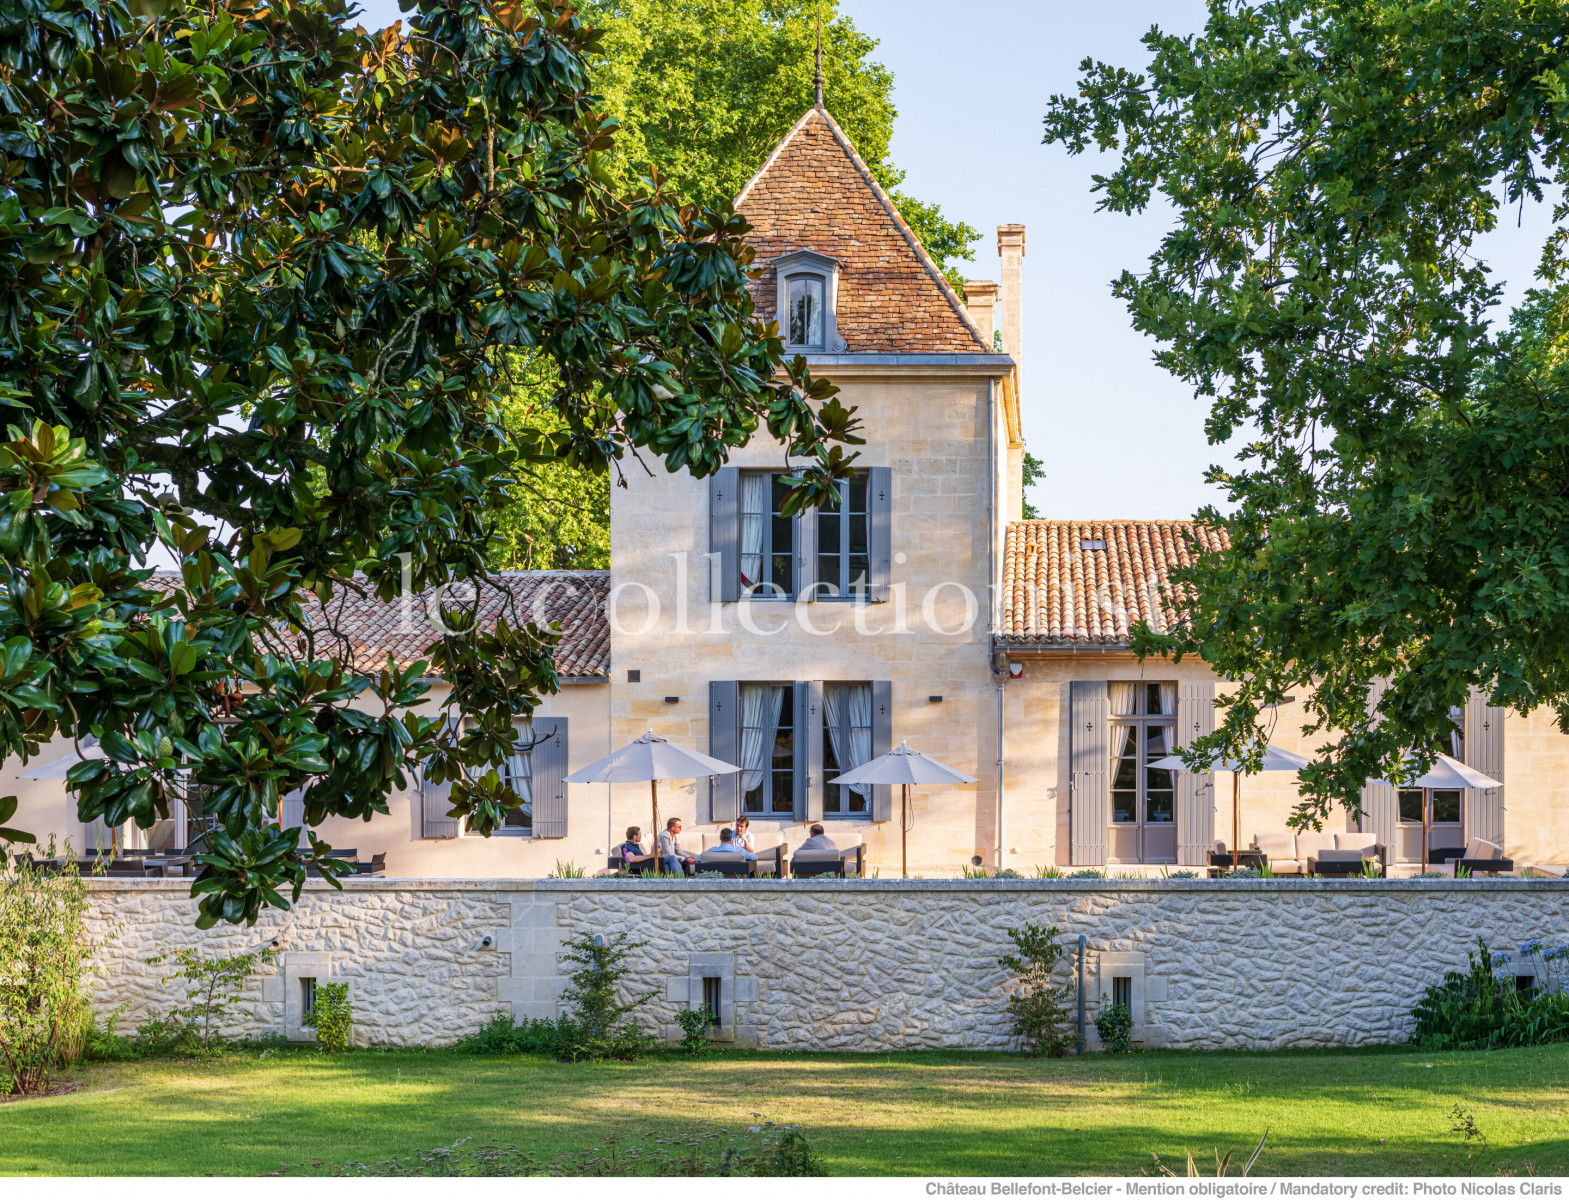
[[44, 957], [529, 1036], [332, 1016], [1037, 1007], [601, 1024], [1114, 1023], [567, 870], [763, 1150], [1481, 1008], [1087, 873], [695, 1024], [214, 986]]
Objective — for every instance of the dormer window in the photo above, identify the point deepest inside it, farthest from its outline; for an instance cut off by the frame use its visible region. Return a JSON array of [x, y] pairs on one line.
[[808, 297], [806, 310]]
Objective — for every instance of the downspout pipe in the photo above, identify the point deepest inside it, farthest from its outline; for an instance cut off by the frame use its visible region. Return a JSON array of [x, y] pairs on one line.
[[994, 590], [1082, 945]]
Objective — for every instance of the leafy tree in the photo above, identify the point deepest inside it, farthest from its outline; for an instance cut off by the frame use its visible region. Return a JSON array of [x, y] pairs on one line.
[[1034, 472], [1400, 513], [706, 88], [263, 277]]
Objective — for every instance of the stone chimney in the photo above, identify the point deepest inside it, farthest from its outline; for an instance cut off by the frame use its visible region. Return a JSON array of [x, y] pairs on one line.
[[980, 297], [1010, 248]]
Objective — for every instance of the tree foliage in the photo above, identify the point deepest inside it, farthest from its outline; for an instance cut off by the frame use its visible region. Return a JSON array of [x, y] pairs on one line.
[[263, 276], [1400, 511]]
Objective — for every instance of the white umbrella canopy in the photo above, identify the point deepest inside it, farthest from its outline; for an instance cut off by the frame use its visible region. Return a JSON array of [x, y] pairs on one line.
[[1275, 759], [1446, 772], [651, 758], [58, 768], [903, 766]]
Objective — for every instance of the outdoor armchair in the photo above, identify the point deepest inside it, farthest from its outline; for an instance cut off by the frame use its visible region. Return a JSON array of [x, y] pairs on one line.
[[844, 862]]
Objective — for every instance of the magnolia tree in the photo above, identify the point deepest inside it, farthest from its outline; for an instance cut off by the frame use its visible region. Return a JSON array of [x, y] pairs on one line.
[[263, 275]]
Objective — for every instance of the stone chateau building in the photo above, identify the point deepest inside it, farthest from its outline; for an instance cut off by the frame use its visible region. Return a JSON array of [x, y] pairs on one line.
[[921, 607]]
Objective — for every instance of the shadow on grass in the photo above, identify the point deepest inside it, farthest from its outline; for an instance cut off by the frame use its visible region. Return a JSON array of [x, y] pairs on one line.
[[940, 1114]]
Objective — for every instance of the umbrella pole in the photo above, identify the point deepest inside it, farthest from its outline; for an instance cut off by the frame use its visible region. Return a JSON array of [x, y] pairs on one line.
[[1427, 802], [904, 831], [1236, 817], [653, 792]]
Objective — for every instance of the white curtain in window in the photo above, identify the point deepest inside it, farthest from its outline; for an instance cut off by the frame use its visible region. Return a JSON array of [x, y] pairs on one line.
[[519, 768], [1168, 699], [833, 721], [1122, 696], [760, 709], [754, 511], [860, 696]]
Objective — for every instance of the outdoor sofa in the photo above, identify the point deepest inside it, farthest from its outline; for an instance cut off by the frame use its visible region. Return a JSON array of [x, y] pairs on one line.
[[1291, 853]]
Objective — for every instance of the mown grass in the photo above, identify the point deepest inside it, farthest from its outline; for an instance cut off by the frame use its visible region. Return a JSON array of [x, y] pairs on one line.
[[1355, 1112]]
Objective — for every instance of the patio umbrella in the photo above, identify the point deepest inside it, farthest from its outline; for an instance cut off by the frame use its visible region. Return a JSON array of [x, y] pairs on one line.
[[1445, 773], [904, 767], [1275, 759], [58, 768], [653, 758]]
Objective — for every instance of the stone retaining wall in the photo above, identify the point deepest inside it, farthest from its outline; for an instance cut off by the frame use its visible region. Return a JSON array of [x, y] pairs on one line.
[[849, 965]]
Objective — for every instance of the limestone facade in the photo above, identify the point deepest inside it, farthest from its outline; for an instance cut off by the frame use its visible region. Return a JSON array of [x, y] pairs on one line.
[[848, 965]]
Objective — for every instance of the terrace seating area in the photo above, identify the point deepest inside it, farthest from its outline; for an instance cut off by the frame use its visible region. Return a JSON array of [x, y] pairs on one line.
[[774, 859]]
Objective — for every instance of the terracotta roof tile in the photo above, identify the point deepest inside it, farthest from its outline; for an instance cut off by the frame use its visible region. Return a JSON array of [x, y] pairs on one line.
[[574, 600], [1058, 592], [815, 193]]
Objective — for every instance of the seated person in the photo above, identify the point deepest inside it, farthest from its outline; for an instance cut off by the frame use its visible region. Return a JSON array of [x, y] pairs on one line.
[[672, 858], [817, 841], [631, 850], [743, 832], [728, 845]]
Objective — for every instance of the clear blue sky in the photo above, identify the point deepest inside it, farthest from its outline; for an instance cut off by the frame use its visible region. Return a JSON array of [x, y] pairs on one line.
[[1120, 437]]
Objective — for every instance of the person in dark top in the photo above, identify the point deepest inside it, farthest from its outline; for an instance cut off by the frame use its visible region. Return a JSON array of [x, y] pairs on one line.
[[631, 850]]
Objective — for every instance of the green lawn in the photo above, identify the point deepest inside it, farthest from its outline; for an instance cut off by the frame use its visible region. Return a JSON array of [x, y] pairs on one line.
[[1328, 1112]]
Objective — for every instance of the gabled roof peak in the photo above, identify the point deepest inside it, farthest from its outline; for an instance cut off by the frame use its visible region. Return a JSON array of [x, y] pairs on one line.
[[815, 192]]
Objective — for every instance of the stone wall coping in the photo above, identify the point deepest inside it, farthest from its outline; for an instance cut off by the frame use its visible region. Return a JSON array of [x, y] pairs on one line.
[[889, 886]]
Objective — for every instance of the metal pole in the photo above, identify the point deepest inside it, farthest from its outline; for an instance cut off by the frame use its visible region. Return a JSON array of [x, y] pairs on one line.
[[653, 791], [1427, 803], [1081, 993]]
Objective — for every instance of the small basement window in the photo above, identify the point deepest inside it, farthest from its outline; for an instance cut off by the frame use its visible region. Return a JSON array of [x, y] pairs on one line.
[[1122, 991], [711, 998], [307, 999]]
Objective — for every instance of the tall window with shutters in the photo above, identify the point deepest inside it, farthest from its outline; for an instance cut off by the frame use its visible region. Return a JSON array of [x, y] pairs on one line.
[[842, 550], [767, 761], [847, 744], [1143, 797]]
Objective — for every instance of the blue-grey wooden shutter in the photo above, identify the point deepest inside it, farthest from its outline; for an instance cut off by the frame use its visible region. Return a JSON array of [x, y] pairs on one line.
[[1380, 802], [550, 770], [879, 529], [1484, 750], [435, 800], [1089, 759], [724, 743], [724, 532], [1195, 792], [882, 743], [809, 750]]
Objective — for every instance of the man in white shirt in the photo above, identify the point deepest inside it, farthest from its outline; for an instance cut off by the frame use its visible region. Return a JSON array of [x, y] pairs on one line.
[[671, 858]]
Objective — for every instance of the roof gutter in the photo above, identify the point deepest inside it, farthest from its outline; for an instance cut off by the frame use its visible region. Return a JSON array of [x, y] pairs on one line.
[[1003, 650]]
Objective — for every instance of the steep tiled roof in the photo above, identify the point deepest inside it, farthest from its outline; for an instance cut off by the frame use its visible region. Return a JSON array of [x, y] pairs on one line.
[[815, 193], [574, 600], [1059, 588]]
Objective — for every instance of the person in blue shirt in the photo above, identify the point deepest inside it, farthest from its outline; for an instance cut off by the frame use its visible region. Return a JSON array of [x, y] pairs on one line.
[[728, 845], [632, 852]]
